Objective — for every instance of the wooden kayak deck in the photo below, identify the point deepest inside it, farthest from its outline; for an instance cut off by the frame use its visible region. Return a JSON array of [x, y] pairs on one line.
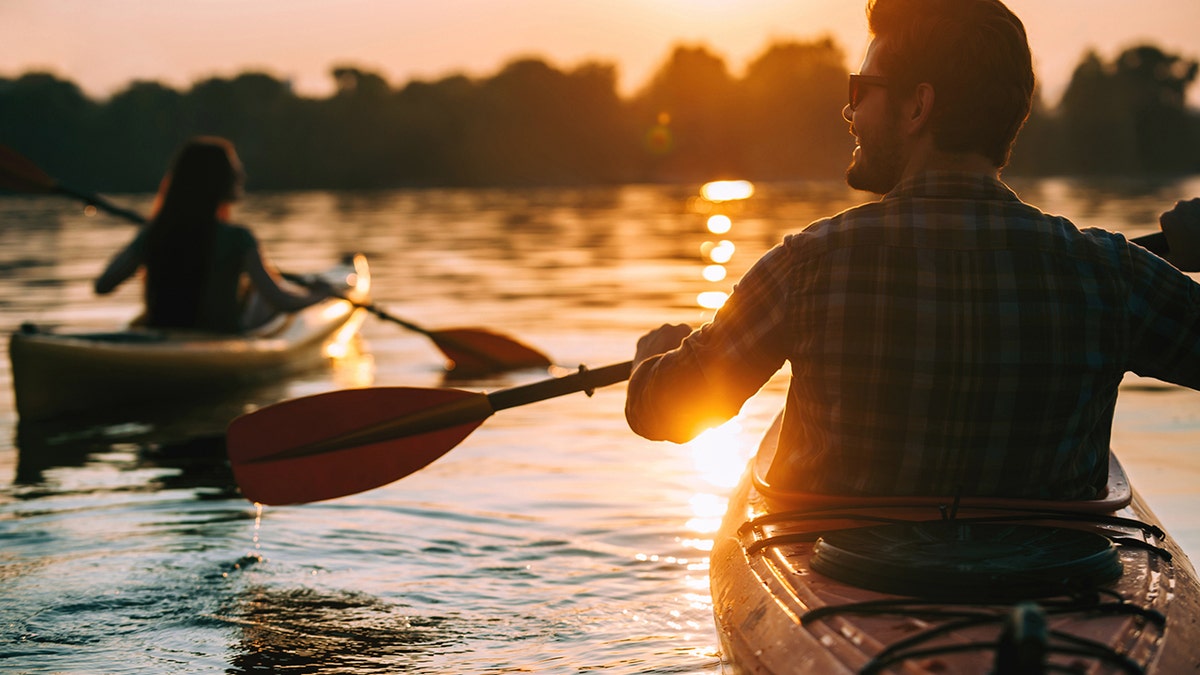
[[776, 613]]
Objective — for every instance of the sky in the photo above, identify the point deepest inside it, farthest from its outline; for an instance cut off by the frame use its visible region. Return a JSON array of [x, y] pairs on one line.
[[103, 45]]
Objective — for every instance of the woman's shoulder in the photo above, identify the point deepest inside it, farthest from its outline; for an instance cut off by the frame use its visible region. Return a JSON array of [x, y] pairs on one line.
[[236, 235]]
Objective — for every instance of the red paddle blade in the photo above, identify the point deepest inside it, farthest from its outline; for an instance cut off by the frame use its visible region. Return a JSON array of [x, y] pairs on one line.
[[343, 442], [19, 174], [477, 351]]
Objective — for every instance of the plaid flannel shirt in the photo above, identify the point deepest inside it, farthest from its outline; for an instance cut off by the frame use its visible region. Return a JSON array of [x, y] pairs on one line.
[[946, 339]]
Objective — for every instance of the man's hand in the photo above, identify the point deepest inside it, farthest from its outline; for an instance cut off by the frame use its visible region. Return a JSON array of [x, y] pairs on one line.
[[1181, 225], [662, 339]]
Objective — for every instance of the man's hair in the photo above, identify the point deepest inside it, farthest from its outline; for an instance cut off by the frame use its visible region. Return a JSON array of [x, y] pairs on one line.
[[975, 54]]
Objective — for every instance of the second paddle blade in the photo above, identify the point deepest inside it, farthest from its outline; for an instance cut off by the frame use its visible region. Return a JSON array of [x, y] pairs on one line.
[[477, 351], [343, 442], [19, 174]]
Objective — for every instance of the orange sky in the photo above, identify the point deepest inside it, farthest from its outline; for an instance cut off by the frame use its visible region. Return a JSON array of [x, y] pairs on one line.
[[103, 44]]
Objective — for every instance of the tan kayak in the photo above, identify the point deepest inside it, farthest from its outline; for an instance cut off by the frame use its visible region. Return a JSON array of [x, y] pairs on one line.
[[826, 584], [56, 374]]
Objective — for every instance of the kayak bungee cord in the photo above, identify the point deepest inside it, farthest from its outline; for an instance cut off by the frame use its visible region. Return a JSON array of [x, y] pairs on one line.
[[905, 650], [1020, 648]]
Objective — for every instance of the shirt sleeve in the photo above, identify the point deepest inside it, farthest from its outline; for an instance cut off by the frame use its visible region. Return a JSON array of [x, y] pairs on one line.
[[704, 382], [1164, 304]]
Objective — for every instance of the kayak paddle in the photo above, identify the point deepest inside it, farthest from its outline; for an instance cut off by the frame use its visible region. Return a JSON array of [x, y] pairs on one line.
[[473, 351], [341, 442], [19, 174]]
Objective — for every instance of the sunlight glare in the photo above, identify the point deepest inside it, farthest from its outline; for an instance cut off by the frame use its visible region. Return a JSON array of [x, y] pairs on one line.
[[718, 457], [723, 252], [708, 509], [727, 190], [707, 505], [714, 272], [340, 344], [712, 299], [336, 350], [719, 223], [719, 252], [356, 368]]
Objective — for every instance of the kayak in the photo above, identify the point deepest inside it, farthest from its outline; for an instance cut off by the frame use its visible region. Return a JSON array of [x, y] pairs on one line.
[[807, 583], [56, 374]]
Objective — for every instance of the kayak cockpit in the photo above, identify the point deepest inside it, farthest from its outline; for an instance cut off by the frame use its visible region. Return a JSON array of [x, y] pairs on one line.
[[806, 583]]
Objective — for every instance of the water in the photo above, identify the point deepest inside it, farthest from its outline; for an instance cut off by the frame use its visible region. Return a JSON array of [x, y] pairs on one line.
[[551, 540]]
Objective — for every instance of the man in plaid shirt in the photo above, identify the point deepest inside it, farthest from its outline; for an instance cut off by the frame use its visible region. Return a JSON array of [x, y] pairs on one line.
[[948, 338]]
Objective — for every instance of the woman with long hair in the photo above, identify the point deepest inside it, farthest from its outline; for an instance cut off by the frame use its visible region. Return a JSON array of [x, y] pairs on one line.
[[199, 267]]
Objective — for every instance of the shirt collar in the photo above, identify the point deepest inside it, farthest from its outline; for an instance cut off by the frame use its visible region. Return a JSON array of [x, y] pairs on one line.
[[952, 185]]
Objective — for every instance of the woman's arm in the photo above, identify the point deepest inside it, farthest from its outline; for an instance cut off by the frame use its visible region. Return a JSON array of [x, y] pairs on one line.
[[122, 266], [267, 282]]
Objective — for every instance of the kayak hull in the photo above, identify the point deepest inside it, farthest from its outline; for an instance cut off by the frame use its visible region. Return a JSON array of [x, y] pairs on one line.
[[58, 374], [776, 613]]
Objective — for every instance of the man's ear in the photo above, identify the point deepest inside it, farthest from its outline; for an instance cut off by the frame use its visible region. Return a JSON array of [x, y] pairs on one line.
[[920, 107]]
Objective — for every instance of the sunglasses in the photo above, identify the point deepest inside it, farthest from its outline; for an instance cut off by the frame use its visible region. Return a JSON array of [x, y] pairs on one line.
[[858, 85]]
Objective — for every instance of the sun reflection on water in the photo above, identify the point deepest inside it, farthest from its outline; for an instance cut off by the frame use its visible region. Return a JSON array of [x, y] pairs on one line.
[[718, 456], [719, 223], [717, 199], [714, 273], [712, 299], [727, 190], [718, 251]]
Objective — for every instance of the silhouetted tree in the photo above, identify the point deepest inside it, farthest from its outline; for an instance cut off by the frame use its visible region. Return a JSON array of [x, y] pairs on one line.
[[532, 123], [134, 135], [1154, 84], [47, 118], [435, 117], [1129, 116], [692, 100], [354, 142], [791, 106]]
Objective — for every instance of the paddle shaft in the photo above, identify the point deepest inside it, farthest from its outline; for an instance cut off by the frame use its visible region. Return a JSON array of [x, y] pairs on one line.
[[101, 203], [500, 352], [386, 316], [467, 410], [1156, 243], [585, 380], [370, 307]]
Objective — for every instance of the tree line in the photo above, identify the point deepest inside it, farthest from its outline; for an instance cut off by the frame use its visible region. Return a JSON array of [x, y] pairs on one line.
[[534, 124]]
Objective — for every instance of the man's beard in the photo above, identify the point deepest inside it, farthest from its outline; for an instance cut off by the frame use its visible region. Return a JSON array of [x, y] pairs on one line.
[[879, 164]]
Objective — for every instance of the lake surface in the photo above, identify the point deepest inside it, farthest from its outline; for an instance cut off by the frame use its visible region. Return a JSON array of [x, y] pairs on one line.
[[551, 540]]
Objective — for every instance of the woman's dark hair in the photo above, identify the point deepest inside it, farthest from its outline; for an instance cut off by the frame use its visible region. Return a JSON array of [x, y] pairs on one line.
[[179, 243], [975, 54]]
